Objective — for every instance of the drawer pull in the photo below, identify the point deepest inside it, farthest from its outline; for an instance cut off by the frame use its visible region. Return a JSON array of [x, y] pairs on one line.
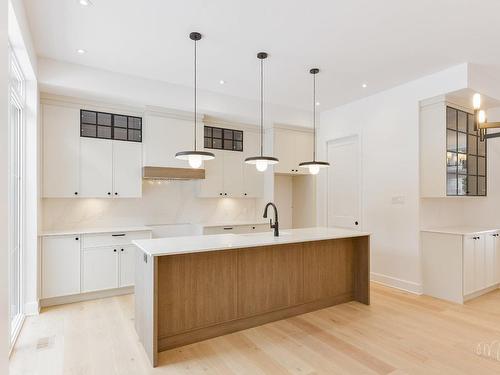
[[228, 228], [118, 235]]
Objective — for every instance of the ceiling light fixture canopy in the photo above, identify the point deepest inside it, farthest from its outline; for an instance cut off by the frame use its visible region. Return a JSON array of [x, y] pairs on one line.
[[195, 158], [314, 166], [262, 162]]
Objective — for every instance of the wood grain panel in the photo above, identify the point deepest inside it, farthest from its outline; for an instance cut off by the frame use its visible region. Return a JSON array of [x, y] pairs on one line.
[[269, 278], [328, 268], [361, 269], [196, 290]]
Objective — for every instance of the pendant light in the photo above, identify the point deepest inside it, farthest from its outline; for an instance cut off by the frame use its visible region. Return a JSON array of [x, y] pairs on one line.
[[314, 165], [194, 157], [261, 162]]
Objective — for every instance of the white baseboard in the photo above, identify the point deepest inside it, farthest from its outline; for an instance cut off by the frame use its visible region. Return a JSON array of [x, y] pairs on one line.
[[394, 282], [86, 296], [32, 308]]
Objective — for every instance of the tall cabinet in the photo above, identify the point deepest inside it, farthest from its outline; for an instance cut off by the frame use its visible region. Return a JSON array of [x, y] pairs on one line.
[[292, 146], [80, 166]]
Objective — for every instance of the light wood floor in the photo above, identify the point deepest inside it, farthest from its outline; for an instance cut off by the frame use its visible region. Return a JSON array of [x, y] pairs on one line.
[[398, 334]]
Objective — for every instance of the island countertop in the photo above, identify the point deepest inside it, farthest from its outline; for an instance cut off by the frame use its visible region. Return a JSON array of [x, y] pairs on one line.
[[195, 244]]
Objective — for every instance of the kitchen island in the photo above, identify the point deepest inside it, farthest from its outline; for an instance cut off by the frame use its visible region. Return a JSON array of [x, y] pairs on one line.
[[189, 289]]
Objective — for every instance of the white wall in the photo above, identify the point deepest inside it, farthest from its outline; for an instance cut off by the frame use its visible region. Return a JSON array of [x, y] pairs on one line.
[[4, 159], [387, 124]]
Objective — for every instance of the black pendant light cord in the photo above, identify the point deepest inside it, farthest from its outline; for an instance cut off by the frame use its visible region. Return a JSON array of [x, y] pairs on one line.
[[195, 116], [314, 116], [261, 107]]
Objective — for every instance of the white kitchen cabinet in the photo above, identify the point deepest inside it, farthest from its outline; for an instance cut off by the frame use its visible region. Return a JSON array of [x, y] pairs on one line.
[[61, 144], [99, 268], [165, 134], [60, 266], [127, 169], [237, 228], [96, 168], [126, 266], [459, 266], [292, 147], [228, 175]]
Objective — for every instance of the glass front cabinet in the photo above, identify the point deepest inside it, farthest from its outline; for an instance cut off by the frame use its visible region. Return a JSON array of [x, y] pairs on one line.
[[452, 158]]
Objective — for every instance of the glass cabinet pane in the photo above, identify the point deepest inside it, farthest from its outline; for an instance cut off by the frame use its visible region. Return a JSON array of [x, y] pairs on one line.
[[472, 139], [462, 185], [470, 124], [471, 164], [451, 140], [451, 162], [481, 148], [120, 134], [462, 163], [481, 166], [462, 142], [462, 121], [451, 118], [481, 186], [451, 184], [471, 185]]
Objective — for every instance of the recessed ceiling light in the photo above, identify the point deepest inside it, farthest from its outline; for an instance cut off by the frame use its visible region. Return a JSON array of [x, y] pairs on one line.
[[84, 3], [222, 82], [80, 51], [318, 103], [364, 85]]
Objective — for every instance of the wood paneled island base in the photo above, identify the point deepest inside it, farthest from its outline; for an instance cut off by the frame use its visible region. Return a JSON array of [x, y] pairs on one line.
[[201, 295]]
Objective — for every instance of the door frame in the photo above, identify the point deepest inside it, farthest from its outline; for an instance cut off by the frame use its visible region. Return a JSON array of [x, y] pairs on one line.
[[339, 141]]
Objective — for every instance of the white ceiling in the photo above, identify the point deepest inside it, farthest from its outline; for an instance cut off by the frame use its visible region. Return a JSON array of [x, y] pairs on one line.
[[380, 42]]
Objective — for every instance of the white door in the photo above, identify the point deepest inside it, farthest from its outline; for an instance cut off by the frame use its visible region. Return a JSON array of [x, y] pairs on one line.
[[233, 174], [61, 144], [344, 183], [96, 168], [490, 259], [100, 268], [213, 184], [127, 265], [469, 264], [60, 266], [127, 169]]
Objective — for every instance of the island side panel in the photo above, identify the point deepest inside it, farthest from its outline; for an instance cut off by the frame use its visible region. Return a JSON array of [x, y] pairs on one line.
[[362, 270], [146, 300]]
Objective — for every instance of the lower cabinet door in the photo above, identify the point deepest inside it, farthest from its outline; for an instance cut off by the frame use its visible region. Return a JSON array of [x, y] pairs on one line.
[[127, 261], [490, 261], [469, 265], [480, 263], [60, 266], [100, 268], [497, 257]]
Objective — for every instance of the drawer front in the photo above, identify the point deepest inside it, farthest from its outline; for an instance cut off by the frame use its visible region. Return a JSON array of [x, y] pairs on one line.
[[113, 238], [220, 230], [256, 228]]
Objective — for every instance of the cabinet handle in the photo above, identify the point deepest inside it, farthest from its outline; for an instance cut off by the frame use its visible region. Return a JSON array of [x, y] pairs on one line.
[[118, 235], [245, 194], [220, 193], [225, 193], [76, 193], [228, 228], [116, 193], [114, 250], [76, 238], [109, 193], [121, 249]]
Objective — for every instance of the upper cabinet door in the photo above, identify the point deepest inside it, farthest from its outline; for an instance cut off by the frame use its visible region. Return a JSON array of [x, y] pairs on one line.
[[284, 144], [253, 180], [233, 174], [96, 168], [469, 264], [61, 143], [164, 137], [213, 184], [127, 169], [303, 150]]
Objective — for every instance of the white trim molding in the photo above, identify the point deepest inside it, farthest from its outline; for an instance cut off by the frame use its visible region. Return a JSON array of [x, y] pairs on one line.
[[394, 282]]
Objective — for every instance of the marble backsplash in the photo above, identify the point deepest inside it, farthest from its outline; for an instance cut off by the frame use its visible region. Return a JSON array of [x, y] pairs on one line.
[[168, 202]]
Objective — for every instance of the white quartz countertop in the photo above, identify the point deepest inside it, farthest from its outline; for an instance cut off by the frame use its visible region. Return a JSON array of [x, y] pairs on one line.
[[195, 244], [234, 223], [94, 230], [461, 230]]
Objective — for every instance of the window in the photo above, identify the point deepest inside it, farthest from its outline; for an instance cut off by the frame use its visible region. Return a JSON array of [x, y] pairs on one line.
[[16, 193], [223, 139], [110, 126], [465, 156]]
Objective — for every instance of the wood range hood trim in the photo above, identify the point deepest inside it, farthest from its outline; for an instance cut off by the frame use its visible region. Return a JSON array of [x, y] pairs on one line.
[[170, 173]]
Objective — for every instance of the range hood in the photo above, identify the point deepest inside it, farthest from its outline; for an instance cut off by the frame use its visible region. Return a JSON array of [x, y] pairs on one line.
[[169, 173]]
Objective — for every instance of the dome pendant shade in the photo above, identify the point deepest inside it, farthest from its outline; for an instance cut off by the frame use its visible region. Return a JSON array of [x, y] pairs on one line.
[[261, 162], [194, 157], [314, 166]]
